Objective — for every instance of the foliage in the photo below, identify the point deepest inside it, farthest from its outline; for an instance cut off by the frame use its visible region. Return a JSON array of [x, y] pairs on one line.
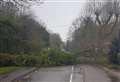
[[19, 32], [22, 34], [56, 57]]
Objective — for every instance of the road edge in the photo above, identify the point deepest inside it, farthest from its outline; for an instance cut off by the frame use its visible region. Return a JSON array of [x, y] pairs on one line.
[[23, 75]]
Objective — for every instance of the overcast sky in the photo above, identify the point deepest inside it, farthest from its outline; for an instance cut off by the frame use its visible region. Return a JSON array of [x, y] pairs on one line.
[[58, 15]]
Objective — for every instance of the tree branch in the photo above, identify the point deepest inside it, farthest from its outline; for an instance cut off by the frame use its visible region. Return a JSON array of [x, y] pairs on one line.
[[97, 18], [108, 20]]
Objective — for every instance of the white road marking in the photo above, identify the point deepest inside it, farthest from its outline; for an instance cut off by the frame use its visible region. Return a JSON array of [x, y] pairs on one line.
[[71, 75]]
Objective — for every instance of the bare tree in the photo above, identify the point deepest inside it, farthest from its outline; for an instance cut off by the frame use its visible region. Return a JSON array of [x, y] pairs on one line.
[[18, 5], [98, 25]]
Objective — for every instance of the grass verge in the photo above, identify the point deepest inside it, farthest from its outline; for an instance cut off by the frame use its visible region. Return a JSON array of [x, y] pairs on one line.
[[5, 70]]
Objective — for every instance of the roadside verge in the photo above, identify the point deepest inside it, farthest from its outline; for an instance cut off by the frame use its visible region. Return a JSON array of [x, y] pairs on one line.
[[12, 77], [114, 75]]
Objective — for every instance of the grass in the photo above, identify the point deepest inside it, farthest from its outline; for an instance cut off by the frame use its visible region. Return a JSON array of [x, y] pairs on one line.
[[5, 70]]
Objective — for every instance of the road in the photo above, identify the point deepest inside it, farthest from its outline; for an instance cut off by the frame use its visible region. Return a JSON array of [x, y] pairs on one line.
[[82, 73]]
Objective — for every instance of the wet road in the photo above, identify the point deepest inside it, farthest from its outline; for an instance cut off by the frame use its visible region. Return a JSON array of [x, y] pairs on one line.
[[82, 73]]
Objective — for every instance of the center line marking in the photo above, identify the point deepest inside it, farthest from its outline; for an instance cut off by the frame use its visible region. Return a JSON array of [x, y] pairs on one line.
[[71, 75]]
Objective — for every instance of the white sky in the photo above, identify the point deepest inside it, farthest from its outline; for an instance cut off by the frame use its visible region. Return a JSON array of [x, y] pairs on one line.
[[58, 15]]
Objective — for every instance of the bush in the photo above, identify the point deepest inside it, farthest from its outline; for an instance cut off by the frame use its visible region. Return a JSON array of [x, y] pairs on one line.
[[25, 60]]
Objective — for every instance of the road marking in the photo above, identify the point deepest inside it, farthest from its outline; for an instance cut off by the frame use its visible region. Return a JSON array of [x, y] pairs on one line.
[[71, 75]]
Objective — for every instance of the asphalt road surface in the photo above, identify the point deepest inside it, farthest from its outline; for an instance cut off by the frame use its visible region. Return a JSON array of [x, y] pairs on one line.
[[83, 73]]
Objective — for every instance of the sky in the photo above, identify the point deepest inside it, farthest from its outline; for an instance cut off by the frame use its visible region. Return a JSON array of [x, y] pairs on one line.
[[58, 15]]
